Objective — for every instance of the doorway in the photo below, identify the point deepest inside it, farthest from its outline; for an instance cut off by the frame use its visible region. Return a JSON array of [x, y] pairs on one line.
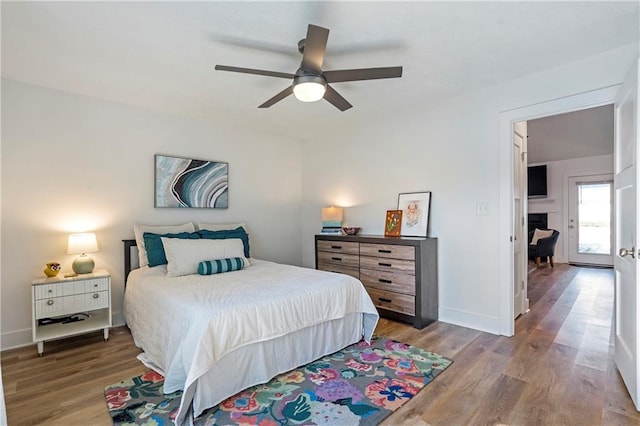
[[507, 120]]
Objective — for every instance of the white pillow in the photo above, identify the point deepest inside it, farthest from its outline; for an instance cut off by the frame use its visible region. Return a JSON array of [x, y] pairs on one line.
[[183, 256], [539, 233], [221, 226], [139, 231]]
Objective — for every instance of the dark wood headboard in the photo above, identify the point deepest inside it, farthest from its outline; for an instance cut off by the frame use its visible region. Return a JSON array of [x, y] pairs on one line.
[[127, 258]]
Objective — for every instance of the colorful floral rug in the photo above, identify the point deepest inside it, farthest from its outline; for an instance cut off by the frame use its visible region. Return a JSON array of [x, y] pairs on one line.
[[361, 384]]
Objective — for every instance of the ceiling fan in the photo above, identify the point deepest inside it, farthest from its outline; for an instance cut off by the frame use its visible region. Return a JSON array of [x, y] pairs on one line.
[[310, 82]]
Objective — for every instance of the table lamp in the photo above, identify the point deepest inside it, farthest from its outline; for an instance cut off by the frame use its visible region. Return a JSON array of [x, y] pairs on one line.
[[82, 244]]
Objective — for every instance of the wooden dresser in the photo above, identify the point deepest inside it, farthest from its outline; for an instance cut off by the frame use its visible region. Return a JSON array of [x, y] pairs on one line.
[[399, 273]]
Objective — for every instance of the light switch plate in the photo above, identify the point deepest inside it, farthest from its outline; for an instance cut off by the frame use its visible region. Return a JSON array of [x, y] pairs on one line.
[[482, 208]]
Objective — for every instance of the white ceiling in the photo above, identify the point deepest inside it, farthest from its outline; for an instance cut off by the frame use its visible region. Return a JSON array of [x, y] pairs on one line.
[[161, 55], [577, 134]]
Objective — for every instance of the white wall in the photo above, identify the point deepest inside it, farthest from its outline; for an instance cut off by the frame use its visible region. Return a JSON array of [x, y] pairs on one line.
[[452, 149], [557, 203], [73, 163]]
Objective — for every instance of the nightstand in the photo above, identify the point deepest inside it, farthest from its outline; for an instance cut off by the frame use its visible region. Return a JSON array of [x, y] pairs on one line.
[[67, 306]]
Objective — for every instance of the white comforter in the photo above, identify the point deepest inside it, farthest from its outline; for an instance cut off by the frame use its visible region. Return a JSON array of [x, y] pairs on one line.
[[187, 324]]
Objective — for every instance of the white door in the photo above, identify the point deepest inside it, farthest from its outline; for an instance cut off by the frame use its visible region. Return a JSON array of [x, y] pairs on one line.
[[627, 226], [520, 236], [591, 220]]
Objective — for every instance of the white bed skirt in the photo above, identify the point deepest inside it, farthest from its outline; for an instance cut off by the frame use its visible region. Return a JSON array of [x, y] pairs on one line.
[[247, 366]]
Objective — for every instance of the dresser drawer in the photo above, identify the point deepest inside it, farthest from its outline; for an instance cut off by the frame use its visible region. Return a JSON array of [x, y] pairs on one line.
[[389, 265], [390, 281], [338, 259], [345, 247], [388, 251], [393, 301], [332, 267]]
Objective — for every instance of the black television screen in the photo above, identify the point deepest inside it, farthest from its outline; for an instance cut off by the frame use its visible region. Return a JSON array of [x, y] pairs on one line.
[[537, 181]]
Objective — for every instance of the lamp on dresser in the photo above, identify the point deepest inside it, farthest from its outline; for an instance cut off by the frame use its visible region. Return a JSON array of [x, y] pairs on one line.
[[82, 244]]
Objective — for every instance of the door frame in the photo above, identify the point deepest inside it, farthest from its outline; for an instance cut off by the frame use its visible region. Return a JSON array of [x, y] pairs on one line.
[[507, 119]]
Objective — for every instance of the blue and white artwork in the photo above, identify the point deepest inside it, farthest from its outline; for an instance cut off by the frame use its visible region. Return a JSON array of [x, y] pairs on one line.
[[183, 182]]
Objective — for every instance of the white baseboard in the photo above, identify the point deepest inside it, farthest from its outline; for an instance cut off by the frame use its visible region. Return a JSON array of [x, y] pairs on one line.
[[17, 339], [470, 320]]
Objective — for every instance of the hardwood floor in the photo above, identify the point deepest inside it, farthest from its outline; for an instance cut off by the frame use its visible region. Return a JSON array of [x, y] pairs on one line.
[[557, 370]]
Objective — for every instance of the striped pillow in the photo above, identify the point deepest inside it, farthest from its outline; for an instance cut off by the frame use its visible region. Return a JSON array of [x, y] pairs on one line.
[[218, 266]]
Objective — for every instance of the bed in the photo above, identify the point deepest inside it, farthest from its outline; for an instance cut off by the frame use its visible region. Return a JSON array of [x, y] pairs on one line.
[[214, 335]]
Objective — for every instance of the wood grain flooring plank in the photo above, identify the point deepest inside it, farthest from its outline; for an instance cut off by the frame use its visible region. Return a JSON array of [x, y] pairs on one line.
[[583, 400], [501, 399], [543, 393], [464, 397]]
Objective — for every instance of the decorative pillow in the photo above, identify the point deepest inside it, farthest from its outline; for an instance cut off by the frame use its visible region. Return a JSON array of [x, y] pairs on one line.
[[139, 231], [155, 249], [183, 256], [218, 266], [222, 235], [539, 233], [220, 226]]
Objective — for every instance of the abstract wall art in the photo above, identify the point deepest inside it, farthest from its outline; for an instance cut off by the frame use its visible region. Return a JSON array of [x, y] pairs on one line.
[[184, 182]]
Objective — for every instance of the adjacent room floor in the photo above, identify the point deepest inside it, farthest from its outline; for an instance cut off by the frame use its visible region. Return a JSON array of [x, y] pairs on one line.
[[557, 370]]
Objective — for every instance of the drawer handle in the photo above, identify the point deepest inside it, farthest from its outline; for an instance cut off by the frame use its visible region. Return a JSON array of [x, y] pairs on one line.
[[382, 299], [96, 295], [385, 281], [384, 251], [384, 264], [336, 247], [95, 285], [339, 259], [50, 291], [49, 302]]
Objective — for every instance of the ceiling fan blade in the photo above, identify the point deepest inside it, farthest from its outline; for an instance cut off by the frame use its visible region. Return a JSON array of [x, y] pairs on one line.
[[362, 74], [253, 71], [277, 98], [314, 47], [336, 99]]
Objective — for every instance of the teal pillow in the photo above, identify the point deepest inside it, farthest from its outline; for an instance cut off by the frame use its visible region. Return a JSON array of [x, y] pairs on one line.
[[239, 232], [155, 249], [218, 266]]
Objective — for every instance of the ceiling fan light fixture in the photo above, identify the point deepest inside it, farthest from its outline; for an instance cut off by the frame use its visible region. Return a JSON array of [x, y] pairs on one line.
[[309, 88]]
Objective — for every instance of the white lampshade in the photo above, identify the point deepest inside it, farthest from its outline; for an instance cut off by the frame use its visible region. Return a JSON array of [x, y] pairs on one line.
[[309, 88], [82, 243], [332, 214]]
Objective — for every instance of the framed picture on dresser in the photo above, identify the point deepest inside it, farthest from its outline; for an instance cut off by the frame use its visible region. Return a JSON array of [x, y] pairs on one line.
[[415, 208], [392, 223]]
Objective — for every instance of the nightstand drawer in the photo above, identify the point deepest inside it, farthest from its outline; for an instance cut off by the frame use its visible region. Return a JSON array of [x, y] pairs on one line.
[[48, 291], [54, 306], [339, 259], [393, 301], [98, 284], [390, 265], [390, 281], [339, 247], [96, 300], [388, 251], [331, 267]]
